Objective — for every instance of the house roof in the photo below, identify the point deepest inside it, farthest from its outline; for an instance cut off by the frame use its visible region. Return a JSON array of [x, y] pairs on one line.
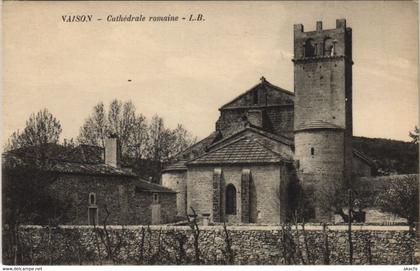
[[242, 150], [144, 186], [56, 158], [317, 124]]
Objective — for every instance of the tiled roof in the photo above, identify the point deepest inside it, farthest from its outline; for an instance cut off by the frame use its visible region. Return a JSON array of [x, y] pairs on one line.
[[144, 186], [55, 158], [243, 150], [177, 166], [279, 138], [90, 169], [317, 124]]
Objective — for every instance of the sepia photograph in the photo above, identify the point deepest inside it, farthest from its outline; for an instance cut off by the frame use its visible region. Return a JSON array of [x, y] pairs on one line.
[[223, 133]]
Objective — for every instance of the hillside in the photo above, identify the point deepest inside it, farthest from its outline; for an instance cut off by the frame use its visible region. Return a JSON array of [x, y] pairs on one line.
[[389, 156]]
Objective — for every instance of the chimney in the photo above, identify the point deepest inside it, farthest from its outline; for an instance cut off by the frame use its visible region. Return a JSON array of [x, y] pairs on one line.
[[112, 151]]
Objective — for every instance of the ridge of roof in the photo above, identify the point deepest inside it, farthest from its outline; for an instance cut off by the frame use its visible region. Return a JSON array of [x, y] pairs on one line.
[[263, 84]]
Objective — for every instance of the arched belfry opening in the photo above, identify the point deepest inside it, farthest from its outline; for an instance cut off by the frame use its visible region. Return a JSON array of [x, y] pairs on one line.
[[310, 48], [230, 200], [328, 47]]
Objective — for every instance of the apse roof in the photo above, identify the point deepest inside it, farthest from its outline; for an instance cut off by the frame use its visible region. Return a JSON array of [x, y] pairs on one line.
[[243, 150], [317, 124]]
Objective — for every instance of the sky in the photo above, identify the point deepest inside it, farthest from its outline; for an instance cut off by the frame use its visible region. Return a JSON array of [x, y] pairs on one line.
[[184, 71]]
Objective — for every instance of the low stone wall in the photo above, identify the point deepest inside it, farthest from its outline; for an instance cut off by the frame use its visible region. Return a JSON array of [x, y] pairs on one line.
[[244, 245]]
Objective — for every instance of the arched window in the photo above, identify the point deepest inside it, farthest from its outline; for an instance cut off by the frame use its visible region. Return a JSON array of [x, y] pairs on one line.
[[312, 151], [92, 198], [310, 48], [328, 47], [230, 199], [155, 198]]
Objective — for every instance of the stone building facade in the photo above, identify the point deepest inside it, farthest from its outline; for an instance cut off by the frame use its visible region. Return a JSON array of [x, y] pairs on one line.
[[268, 136], [93, 186]]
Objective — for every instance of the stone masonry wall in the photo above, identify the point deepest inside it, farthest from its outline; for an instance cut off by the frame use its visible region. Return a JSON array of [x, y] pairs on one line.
[[118, 195], [249, 245], [177, 181], [264, 195]]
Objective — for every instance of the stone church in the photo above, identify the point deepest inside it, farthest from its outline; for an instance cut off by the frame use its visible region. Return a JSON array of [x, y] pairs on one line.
[[267, 136]]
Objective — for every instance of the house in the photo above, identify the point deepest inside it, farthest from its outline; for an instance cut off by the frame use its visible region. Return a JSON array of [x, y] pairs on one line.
[[92, 184]]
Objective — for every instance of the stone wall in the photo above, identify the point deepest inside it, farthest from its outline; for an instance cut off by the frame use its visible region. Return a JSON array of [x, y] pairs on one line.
[[177, 181], [125, 204], [249, 245], [278, 119]]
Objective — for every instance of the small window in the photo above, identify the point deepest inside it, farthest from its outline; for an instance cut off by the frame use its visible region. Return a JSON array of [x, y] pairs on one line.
[[155, 198], [312, 151], [92, 198]]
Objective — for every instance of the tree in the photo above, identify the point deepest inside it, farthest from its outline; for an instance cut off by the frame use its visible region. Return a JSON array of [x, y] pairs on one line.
[[94, 129], [401, 198], [164, 143], [137, 146], [41, 128], [121, 120], [414, 135], [160, 140], [144, 147], [27, 198], [182, 139]]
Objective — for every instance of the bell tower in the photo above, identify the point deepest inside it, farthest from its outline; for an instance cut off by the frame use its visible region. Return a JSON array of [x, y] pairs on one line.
[[323, 112]]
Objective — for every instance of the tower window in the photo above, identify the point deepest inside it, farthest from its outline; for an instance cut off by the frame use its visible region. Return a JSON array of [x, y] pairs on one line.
[[230, 199], [312, 151]]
